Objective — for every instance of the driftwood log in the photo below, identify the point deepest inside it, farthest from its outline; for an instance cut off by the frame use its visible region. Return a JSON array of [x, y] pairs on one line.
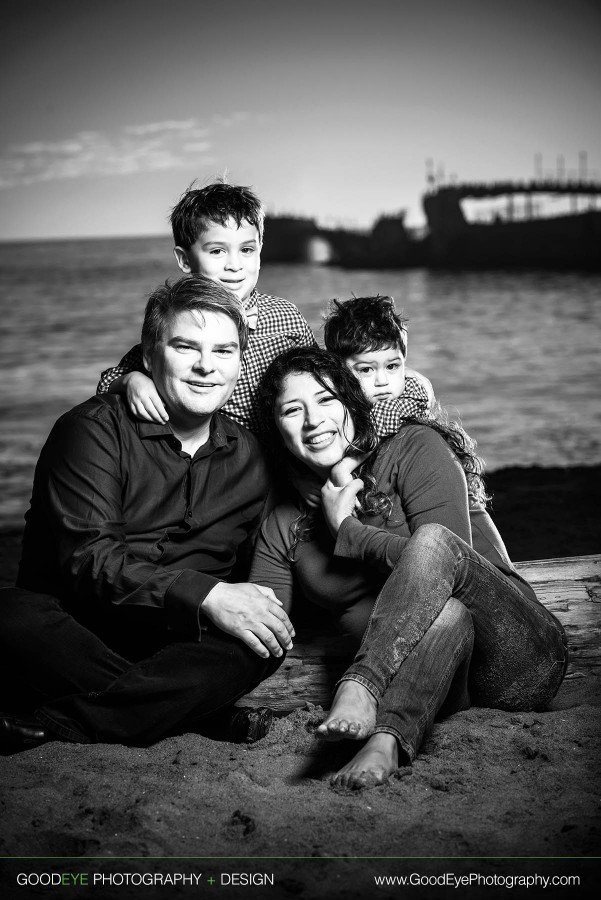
[[570, 588]]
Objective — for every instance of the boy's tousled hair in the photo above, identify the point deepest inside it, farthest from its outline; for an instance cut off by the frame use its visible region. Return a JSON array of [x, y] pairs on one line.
[[362, 324], [192, 293], [217, 202]]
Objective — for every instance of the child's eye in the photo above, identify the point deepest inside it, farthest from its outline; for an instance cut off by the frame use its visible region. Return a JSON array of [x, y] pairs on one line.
[[248, 251], [364, 370], [217, 251], [394, 366]]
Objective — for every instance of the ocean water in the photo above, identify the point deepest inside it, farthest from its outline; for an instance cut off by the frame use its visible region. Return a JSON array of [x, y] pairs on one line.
[[514, 355]]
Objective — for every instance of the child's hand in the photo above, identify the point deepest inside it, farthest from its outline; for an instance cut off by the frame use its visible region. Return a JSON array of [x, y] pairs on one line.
[[143, 398]]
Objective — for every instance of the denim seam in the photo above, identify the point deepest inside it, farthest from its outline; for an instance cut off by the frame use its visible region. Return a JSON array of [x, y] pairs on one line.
[[365, 683]]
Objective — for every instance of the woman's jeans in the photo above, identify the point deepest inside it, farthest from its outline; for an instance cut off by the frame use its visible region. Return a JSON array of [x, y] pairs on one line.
[[447, 629]]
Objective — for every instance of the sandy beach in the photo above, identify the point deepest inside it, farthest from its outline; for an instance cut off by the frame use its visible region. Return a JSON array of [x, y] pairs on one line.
[[489, 789]]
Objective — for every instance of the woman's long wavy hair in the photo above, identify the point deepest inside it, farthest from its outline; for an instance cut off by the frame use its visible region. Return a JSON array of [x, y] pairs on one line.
[[333, 375]]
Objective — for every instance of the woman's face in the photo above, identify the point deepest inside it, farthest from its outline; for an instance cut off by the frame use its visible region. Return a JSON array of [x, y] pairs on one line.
[[314, 425]]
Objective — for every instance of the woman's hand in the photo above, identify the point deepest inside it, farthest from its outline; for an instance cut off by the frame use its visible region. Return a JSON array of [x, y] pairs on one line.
[[143, 398], [342, 472], [339, 502]]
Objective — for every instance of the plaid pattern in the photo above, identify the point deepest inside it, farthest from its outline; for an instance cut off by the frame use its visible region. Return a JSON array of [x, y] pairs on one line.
[[279, 326], [388, 415]]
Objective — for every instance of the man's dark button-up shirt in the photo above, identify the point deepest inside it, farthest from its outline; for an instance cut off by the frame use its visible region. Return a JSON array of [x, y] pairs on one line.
[[121, 515]]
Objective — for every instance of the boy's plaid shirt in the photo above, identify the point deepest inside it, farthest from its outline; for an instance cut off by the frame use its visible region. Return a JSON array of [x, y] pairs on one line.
[[279, 325]]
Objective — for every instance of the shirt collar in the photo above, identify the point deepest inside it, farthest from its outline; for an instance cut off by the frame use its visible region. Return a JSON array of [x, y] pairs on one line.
[[251, 300], [222, 430]]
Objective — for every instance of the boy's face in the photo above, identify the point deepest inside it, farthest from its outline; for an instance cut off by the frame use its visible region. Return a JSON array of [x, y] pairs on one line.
[[380, 372], [229, 255]]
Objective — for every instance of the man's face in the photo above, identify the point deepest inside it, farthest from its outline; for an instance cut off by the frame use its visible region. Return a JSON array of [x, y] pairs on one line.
[[227, 254], [196, 366], [381, 373]]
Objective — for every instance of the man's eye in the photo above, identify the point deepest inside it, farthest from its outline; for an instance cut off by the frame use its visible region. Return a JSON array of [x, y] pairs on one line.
[[182, 347]]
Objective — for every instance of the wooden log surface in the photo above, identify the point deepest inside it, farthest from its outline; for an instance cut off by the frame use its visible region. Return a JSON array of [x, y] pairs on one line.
[[570, 588]]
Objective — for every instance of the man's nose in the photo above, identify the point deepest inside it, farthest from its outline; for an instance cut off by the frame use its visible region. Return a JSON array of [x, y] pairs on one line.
[[204, 363]]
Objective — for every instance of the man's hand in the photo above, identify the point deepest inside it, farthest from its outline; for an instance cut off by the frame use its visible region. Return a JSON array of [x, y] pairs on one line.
[[143, 398], [339, 502], [251, 613]]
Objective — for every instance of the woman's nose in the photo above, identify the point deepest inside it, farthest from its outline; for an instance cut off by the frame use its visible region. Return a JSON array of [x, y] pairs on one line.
[[313, 416]]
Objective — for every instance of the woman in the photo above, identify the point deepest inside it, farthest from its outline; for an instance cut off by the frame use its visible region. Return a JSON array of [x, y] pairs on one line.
[[442, 624]]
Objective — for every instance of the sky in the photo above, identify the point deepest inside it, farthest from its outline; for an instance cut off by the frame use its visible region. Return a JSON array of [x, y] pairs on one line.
[[328, 109]]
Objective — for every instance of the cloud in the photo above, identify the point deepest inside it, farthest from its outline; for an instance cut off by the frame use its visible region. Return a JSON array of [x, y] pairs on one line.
[[136, 148], [146, 147]]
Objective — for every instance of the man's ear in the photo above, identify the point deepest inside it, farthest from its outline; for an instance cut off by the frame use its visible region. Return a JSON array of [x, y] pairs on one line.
[[181, 257]]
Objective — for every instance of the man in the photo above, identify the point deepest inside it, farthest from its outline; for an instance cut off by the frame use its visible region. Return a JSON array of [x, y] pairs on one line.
[[123, 625]]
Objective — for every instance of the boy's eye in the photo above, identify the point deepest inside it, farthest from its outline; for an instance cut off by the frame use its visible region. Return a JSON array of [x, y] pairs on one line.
[[363, 370], [394, 366], [248, 250]]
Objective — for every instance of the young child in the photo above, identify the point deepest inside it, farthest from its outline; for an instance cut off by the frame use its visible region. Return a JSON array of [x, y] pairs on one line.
[[218, 232], [371, 337]]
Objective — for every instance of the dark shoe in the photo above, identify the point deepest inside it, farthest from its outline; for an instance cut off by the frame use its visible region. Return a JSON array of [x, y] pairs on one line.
[[249, 725], [20, 733]]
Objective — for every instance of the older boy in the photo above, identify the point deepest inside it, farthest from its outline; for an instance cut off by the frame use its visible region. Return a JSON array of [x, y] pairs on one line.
[[218, 232]]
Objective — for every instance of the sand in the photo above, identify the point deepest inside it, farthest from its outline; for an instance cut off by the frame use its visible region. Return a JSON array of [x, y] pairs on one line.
[[492, 795]]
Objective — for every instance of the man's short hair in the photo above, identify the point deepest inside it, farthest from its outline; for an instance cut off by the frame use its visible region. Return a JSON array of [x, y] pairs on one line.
[[363, 324], [217, 202], [192, 293]]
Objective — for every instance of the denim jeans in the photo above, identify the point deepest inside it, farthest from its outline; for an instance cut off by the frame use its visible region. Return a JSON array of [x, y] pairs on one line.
[[417, 659], [83, 690]]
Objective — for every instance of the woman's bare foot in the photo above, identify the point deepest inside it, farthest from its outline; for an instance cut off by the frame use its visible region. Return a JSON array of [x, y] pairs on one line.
[[353, 714], [373, 764]]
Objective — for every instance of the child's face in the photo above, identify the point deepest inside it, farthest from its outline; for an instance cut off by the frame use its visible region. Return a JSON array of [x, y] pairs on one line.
[[380, 372], [229, 255]]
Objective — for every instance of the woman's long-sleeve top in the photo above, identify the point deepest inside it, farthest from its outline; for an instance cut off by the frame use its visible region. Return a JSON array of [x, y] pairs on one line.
[[423, 478]]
